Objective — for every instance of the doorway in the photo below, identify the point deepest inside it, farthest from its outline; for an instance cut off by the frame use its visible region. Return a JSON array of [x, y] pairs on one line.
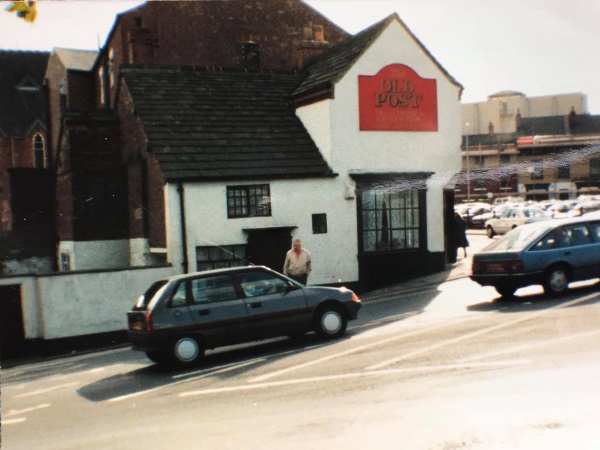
[[268, 246], [12, 332]]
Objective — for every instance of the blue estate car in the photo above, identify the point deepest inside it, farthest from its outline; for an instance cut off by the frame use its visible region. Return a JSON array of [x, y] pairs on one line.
[[552, 253], [179, 317]]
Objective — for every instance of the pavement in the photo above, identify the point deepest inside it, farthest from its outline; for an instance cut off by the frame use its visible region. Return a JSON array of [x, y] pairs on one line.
[[453, 271]]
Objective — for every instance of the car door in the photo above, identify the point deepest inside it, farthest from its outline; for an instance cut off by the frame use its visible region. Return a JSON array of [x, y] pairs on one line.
[[276, 307], [504, 223], [583, 254], [220, 315]]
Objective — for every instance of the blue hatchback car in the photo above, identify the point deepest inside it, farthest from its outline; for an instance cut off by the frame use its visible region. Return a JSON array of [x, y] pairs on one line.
[[552, 253]]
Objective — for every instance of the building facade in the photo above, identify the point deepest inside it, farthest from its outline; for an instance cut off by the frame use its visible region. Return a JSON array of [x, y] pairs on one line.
[[509, 140]]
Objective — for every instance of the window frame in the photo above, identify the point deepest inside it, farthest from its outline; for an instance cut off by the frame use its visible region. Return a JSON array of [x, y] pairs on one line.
[[420, 212], [250, 201]]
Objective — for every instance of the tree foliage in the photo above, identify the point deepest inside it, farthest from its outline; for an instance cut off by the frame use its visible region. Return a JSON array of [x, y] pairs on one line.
[[24, 10]]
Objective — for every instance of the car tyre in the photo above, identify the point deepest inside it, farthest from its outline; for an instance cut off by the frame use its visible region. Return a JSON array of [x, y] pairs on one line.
[[158, 357], [490, 231], [556, 280], [505, 291], [330, 322], [186, 351]]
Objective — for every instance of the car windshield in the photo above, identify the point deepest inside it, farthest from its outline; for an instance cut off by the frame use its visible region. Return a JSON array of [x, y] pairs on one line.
[[516, 239]]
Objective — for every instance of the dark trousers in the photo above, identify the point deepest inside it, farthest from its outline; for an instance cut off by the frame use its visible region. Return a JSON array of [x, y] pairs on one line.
[[300, 278]]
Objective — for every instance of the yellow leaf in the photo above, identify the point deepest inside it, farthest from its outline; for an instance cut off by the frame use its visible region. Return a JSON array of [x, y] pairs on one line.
[[24, 10]]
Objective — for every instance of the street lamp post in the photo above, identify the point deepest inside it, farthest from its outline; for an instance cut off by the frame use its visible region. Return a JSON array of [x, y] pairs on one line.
[[467, 157]]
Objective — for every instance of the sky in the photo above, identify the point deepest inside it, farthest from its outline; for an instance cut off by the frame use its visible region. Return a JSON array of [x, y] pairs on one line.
[[537, 47]]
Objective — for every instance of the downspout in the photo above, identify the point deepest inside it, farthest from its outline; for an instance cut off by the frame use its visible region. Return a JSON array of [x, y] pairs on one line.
[[185, 262]]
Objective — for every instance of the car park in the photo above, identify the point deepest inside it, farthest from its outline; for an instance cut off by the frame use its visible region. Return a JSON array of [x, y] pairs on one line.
[[180, 317], [512, 217], [552, 253]]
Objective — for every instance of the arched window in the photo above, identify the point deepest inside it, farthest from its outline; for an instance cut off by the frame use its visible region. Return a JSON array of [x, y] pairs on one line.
[[39, 152]]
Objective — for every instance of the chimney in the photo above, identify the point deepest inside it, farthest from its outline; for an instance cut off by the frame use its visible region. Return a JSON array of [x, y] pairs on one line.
[[318, 33], [314, 44], [250, 55]]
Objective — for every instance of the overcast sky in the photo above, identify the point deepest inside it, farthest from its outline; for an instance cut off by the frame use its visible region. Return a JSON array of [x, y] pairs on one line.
[[538, 47]]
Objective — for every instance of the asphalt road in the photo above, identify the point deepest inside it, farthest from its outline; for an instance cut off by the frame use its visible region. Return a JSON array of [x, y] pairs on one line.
[[446, 366]]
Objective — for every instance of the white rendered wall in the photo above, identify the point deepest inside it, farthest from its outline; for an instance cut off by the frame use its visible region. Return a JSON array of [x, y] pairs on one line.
[[292, 204], [355, 151], [93, 255]]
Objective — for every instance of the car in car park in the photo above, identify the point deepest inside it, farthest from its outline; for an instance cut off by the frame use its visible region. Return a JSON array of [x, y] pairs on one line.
[[552, 253], [180, 317], [513, 217]]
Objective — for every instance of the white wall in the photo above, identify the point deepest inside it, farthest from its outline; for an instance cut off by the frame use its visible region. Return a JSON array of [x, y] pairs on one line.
[[93, 255], [355, 151], [292, 204], [74, 304]]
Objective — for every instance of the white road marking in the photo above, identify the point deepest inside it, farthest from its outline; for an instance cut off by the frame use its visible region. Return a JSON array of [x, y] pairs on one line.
[[16, 412], [248, 387], [44, 391], [478, 333], [187, 380], [354, 350], [530, 346], [13, 421]]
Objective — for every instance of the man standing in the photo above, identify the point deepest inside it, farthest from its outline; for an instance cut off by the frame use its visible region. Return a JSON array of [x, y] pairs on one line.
[[297, 264]]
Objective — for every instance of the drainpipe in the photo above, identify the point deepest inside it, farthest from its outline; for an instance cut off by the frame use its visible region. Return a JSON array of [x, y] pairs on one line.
[[185, 262]]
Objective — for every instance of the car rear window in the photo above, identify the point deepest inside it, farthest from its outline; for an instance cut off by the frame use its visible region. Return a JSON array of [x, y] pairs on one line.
[[517, 239], [144, 299]]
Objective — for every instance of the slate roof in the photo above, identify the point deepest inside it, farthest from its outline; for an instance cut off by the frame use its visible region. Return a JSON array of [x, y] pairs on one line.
[[22, 100], [214, 125], [325, 70], [579, 124], [77, 59]]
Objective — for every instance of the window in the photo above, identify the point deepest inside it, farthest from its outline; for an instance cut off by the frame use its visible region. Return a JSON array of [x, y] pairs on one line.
[[479, 182], [392, 220], [213, 289], [564, 170], [555, 239], [39, 154], [220, 257], [65, 262], [504, 159], [537, 172], [255, 284], [248, 201], [319, 223], [102, 85], [595, 167], [579, 234]]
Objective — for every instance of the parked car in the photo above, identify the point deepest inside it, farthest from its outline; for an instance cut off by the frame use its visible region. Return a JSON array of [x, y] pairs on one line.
[[512, 218], [480, 220], [552, 253], [178, 318]]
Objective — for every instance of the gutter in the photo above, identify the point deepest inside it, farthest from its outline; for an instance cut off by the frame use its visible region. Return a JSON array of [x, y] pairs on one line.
[[185, 262]]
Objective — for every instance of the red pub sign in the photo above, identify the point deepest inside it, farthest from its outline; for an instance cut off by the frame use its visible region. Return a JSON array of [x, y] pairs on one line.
[[397, 99]]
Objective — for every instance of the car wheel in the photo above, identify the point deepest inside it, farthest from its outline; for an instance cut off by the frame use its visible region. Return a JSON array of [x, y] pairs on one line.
[[330, 322], [556, 280], [490, 231], [505, 291], [186, 351]]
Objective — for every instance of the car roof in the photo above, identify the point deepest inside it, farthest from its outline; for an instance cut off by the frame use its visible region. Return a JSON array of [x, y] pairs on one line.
[[216, 272]]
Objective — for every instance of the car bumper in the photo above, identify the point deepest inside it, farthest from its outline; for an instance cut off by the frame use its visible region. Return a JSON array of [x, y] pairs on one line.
[[513, 279], [141, 340], [353, 309]]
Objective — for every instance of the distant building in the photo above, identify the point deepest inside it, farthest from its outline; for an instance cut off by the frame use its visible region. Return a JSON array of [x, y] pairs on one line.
[[503, 154]]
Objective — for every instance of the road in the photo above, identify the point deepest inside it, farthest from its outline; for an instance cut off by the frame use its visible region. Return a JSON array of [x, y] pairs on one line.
[[448, 366]]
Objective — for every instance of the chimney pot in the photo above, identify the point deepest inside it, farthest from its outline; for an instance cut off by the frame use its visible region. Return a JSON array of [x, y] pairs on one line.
[[319, 34]]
